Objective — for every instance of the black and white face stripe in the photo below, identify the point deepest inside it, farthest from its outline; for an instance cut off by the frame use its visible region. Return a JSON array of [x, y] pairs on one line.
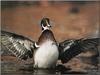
[[45, 23]]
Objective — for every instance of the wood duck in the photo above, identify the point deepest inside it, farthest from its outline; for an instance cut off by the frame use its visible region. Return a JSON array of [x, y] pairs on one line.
[[46, 51]]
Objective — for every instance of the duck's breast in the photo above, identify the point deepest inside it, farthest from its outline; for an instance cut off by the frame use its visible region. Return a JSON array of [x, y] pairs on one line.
[[47, 55]]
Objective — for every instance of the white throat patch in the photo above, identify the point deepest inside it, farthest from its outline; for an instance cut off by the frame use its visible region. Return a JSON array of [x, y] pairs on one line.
[[46, 27]]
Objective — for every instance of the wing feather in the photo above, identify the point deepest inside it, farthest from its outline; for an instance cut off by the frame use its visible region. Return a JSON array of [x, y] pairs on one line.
[[71, 48], [20, 46]]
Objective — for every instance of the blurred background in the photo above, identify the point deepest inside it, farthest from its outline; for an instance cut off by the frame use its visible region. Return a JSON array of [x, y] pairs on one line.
[[69, 20]]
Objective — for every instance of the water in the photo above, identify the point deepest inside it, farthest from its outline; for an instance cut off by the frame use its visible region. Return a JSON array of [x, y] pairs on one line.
[[10, 68]]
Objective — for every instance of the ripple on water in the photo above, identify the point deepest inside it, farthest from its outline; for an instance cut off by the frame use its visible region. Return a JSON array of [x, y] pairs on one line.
[[10, 68]]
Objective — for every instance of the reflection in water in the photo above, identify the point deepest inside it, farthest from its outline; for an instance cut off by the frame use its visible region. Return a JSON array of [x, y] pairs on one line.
[[10, 68]]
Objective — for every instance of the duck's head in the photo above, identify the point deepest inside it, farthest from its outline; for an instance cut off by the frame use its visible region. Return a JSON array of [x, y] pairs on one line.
[[45, 24]]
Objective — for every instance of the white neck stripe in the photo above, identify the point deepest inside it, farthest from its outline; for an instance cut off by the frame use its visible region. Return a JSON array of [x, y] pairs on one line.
[[45, 28]]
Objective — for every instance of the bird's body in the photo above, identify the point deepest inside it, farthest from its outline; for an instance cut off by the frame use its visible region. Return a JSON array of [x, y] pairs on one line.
[[47, 54]]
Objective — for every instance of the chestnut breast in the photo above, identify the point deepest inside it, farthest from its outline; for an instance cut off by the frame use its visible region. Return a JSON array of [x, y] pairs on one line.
[[46, 35]]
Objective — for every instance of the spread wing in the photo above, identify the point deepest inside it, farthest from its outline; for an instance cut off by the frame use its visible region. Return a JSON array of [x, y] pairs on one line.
[[20, 46], [71, 48]]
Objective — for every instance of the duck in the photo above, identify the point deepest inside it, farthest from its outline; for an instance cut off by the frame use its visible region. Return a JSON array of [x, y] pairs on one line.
[[46, 51]]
